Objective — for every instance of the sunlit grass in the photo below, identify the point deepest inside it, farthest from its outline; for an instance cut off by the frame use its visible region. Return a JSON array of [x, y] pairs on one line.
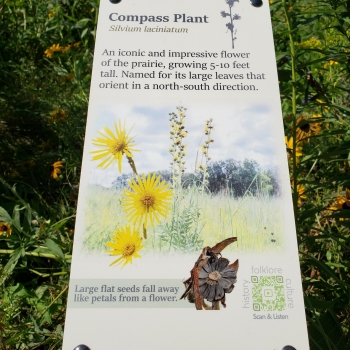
[[255, 221]]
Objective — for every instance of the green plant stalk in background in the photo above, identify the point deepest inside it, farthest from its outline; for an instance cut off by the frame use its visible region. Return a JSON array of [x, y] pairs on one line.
[[294, 173]]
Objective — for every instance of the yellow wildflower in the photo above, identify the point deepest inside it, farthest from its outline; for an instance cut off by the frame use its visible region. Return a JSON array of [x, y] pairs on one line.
[[310, 43], [56, 169], [289, 144], [305, 129], [5, 229], [342, 202], [52, 49]]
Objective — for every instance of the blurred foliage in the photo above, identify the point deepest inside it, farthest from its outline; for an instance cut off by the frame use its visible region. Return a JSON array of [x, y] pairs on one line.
[[45, 66], [312, 50]]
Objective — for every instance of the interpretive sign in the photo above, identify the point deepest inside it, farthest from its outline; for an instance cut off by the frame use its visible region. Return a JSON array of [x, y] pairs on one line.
[[185, 201]]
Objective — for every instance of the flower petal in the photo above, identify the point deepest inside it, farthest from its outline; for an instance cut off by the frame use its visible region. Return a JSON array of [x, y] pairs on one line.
[[211, 296], [207, 267], [204, 290], [229, 290], [219, 292], [202, 273], [221, 264], [225, 283], [229, 272]]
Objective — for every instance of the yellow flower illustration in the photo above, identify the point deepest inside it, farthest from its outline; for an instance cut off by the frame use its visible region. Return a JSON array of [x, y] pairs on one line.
[[183, 133], [125, 242], [5, 229], [56, 169], [176, 129], [148, 201], [114, 146]]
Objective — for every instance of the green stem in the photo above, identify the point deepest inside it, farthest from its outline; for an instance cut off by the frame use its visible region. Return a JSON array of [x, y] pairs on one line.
[[65, 288], [294, 110], [40, 255], [45, 274]]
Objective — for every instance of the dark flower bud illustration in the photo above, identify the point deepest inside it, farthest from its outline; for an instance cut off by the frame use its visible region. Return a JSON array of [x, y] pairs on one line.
[[229, 26], [234, 17]]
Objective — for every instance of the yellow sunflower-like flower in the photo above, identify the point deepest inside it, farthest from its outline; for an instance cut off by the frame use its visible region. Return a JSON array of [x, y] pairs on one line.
[[301, 194], [148, 201], [5, 229], [306, 129], [56, 169], [126, 243], [114, 146], [342, 202], [289, 144]]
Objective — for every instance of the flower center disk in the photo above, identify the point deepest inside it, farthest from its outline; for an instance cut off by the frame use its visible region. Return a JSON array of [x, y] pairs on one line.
[[305, 127], [128, 249], [213, 277], [346, 205], [119, 146], [147, 201]]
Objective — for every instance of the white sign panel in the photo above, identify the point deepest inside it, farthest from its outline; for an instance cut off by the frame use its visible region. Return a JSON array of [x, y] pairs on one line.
[[185, 203]]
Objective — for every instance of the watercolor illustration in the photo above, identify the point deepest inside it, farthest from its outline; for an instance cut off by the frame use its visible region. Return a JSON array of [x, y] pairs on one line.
[[182, 195], [232, 17]]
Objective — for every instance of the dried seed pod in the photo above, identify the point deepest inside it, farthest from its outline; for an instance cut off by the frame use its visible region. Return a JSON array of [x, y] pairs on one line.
[[211, 277]]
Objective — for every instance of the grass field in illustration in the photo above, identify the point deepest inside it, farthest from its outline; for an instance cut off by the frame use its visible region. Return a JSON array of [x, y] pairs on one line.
[[256, 221]]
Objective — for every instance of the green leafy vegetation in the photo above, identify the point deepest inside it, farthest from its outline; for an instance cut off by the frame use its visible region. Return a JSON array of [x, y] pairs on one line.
[[45, 67]]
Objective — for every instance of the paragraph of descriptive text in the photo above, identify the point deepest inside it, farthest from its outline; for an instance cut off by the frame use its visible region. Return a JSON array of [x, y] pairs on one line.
[[176, 70]]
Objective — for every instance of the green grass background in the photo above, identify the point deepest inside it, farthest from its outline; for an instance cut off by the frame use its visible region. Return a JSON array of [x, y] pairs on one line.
[[250, 219]]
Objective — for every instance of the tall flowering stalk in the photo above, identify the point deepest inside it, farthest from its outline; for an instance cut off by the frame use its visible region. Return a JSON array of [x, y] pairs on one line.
[[181, 232], [203, 169], [230, 26], [178, 147]]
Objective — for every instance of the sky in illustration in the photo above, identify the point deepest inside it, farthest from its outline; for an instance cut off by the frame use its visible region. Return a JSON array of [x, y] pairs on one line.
[[239, 133]]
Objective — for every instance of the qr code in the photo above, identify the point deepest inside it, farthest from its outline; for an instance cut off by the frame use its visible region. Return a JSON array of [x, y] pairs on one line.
[[268, 293]]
